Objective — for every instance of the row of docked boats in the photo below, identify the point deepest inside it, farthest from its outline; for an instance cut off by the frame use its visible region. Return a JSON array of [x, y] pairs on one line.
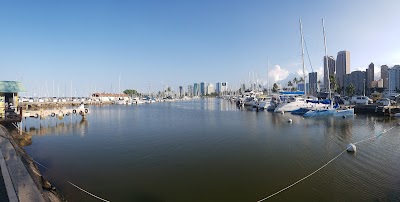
[[293, 102]]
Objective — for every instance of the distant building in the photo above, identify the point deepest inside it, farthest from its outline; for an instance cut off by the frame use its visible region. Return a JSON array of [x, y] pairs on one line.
[[203, 90], [370, 77], [377, 84], [196, 89], [342, 67], [313, 83], [357, 78], [224, 87], [329, 63], [221, 87], [384, 75], [190, 91], [210, 89], [181, 93], [394, 78]]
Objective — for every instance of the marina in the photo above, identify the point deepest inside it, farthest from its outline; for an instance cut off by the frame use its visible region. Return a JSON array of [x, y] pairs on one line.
[[210, 156]]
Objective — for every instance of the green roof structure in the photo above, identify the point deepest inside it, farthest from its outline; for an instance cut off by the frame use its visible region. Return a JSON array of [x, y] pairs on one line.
[[11, 87]]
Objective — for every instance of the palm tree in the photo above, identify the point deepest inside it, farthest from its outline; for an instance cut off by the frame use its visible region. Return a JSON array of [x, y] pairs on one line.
[[350, 90], [295, 81], [290, 83], [275, 88]]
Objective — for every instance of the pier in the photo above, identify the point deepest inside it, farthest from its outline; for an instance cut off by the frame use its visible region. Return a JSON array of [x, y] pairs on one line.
[[378, 110]]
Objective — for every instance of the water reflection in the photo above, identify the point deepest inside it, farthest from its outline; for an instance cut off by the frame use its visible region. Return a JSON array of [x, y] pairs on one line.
[[59, 128]]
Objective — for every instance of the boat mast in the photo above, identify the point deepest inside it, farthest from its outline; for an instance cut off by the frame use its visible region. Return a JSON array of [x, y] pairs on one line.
[[326, 62], [268, 77], [302, 57]]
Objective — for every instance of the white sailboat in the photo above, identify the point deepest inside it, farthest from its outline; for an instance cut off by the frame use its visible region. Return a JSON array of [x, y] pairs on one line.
[[293, 103], [330, 110]]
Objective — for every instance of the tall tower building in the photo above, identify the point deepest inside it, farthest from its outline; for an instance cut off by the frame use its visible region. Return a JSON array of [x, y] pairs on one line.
[[203, 90], [342, 67], [313, 83], [331, 65], [196, 90], [385, 75], [370, 77]]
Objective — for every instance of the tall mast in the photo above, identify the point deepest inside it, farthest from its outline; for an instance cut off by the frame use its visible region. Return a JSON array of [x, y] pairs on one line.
[[326, 62], [268, 77], [302, 57]]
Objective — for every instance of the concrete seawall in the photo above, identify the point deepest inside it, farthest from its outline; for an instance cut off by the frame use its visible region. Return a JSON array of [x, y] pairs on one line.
[[22, 178]]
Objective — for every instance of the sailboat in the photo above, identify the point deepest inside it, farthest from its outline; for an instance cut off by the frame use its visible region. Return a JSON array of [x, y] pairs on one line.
[[294, 102], [330, 110]]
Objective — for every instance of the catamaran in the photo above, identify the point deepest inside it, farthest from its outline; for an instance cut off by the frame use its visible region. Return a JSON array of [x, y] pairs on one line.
[[330, 110]]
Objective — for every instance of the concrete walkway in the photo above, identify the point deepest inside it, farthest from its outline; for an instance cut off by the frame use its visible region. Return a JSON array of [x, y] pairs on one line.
[[18, 183]]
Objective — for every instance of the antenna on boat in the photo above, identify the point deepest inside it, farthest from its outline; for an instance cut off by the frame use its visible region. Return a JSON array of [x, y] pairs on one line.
[[302, 56], [327, 64]]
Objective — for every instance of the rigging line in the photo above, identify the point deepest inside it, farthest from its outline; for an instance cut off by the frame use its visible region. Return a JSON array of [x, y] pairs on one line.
[[73, 183], [308, 55]]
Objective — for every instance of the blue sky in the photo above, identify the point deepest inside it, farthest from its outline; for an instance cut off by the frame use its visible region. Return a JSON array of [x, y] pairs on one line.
[[152, 44]]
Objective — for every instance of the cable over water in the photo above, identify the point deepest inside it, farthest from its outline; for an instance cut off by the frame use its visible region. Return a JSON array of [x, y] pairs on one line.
[[323, 166], [73, 184]]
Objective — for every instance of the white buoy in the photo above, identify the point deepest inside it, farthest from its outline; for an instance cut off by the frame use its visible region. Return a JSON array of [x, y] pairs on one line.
[[351, 147], [282, 112], [290, 120]]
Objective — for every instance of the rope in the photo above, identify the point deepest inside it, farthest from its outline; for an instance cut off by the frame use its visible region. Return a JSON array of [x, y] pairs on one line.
[[309, 175], [73, 183]]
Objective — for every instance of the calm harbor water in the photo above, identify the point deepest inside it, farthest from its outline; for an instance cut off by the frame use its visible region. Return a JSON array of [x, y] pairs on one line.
[[209, 150]]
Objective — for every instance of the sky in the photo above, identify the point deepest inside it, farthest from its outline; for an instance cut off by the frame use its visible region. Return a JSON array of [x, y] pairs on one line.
[[76, 47]]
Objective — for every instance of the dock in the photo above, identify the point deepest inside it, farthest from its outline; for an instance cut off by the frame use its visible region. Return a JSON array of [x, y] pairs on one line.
[[22, 182], [378, 110]]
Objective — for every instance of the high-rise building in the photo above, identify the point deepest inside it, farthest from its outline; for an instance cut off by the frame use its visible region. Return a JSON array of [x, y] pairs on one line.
[[384, 75], [190, 91], [221, 87], [394, 78], [342, 67], [210, 89], [370, 77], [181, 93], [329, 63], [224, 87], [357, 78], [313, 83], [203, 90], [196, 89]]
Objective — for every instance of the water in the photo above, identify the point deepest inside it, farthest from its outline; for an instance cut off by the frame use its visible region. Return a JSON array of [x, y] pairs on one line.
[[208, 150]]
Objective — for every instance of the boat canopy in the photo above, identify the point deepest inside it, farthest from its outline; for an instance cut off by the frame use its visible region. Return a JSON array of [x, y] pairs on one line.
[[327, 101], [291, 92]]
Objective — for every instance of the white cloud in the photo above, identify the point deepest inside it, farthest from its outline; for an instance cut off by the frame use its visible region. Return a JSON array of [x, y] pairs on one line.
[[320, 74], [277, 74], [360, 69], [300, 73]]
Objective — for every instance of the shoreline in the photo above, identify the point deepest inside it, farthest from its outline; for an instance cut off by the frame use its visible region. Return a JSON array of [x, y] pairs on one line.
[[46, 189]]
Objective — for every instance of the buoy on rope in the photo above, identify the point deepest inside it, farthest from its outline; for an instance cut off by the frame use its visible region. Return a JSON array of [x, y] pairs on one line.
[[290, 121], [282, 112], [351, 147]]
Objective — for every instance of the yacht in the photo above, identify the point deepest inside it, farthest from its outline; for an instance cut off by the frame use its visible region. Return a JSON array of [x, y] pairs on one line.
[[263, 102]]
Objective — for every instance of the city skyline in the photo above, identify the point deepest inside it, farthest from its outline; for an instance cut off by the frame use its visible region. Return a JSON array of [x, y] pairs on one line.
[[104, 45]]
